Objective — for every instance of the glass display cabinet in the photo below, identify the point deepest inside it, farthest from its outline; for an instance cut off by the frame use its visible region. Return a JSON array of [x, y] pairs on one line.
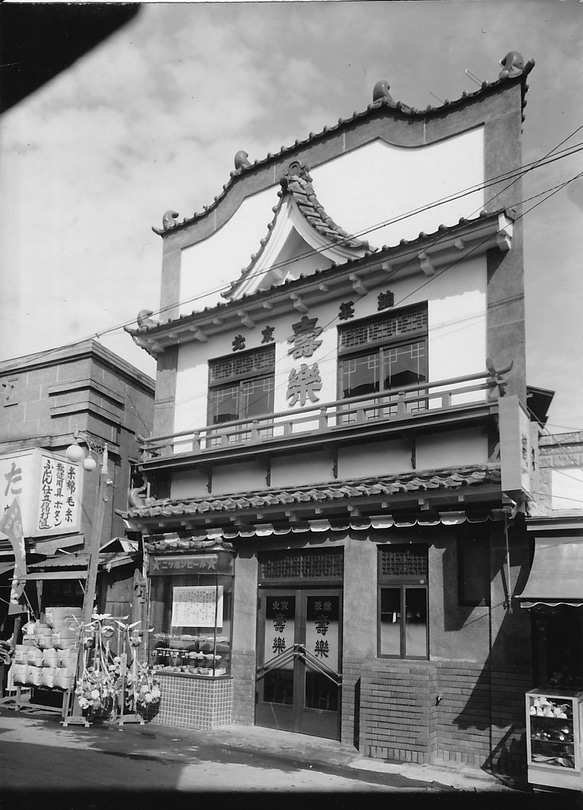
[[553, 738]]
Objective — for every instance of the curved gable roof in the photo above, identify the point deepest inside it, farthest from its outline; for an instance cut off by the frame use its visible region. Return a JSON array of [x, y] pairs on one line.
[[382, 106], [307, 217]]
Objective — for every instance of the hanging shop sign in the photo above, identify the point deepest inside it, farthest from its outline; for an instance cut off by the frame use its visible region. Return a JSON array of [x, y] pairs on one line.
[[204, 563], [48, 489], [517, 449], [181, 564]]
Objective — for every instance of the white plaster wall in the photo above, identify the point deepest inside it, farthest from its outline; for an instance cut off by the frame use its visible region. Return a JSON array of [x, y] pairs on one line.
[[360, 190], [455, 448], [567, 488], [457, 320], [390, 181], [457, 340]]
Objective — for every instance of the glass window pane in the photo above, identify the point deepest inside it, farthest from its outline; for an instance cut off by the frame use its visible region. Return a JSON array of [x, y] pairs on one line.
[[416, 622], [201, 649], [404, 365], [321, 692], [279, 687], [224, 404], [256, 397], [390, 629], [360, 375]]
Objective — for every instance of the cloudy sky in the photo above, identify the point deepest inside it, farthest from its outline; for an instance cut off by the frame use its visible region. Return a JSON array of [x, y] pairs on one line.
[[151, 120]]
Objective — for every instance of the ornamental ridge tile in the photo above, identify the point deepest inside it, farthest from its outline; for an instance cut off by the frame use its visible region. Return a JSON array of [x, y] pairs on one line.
[[378, 106], [297, 183]]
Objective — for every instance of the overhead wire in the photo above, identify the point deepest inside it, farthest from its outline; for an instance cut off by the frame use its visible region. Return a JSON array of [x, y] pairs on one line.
[[553, 190], [516, 175]]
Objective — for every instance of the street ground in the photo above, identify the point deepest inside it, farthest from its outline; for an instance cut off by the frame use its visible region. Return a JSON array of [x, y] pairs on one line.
[[43, 764]]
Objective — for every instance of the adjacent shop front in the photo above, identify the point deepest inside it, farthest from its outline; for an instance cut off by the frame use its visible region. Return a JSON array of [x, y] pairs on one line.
[[553, 595]]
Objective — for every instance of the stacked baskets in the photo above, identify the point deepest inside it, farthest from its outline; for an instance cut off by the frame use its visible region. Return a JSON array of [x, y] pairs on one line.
[[47, 656]]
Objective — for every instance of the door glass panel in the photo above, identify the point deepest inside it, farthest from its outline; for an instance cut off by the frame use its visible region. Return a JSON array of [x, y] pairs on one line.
[[321, 692], [279, 641], [322, 648], [390, 621], [322, 630], [279, 629], [416, 625], [279, 687]]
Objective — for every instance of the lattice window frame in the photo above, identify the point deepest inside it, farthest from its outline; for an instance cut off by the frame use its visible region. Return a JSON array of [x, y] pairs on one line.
[[403, 563], [324, 565], [233, 367], [386, 328]]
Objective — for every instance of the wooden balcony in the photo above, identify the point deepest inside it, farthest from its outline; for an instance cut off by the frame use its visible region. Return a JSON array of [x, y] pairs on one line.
[[455, 402]]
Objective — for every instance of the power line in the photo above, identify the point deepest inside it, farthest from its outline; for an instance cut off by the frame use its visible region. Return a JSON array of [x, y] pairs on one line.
[[477, 247], [515, 174]]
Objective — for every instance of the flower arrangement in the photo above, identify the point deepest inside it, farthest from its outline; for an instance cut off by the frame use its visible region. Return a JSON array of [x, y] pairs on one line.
[[143, 689], [96, 692], [109, 685]]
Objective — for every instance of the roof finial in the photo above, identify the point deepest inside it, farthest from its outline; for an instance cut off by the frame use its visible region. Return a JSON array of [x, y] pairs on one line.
[[512, 65], [381, 90], [241, 160], [168, 220]]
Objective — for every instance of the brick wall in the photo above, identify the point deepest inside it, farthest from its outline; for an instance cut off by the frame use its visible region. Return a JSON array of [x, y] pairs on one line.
[[443, 711], [243, 666]]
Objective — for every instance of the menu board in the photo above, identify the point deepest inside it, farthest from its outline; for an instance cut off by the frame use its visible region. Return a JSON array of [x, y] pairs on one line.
[[197, 606]]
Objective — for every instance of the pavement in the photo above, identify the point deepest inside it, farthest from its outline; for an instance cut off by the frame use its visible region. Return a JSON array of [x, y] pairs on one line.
[[280, 748], [299, 749]]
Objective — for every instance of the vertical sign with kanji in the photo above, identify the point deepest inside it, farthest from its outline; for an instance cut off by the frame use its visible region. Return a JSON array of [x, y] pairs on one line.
[[48, 489], [323, 629], [60, 484], [279, 627], [304, 382]]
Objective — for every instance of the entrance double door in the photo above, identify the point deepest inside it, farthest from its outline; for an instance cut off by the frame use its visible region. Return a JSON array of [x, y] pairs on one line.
[[299, 659]]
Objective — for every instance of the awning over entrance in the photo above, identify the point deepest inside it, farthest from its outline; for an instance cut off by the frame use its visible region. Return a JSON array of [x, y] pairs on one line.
[[556, 577]]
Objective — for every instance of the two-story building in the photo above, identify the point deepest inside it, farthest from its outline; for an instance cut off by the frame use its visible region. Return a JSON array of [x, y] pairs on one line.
[[342, 450], [47, 399]]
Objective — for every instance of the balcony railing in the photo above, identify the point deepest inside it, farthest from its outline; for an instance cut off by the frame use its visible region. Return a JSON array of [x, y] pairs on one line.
[[411, 403]]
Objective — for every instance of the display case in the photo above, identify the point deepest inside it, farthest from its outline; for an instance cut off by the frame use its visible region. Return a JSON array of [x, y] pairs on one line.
[[553, 738]]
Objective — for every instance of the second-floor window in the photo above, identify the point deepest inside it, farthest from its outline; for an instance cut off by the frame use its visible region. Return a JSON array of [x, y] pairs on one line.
[[241, 385], [383, 353]]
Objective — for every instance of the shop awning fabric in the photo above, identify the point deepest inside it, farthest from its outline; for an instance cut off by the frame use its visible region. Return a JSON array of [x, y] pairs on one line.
[[556, 576]]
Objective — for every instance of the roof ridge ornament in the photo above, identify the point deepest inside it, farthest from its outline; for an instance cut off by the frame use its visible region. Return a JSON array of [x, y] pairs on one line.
[[512, 65]]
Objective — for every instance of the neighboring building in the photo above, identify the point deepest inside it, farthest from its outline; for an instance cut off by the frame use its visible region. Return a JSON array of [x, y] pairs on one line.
[[342, 450], [561, 472], [46, 398], [553, 597]]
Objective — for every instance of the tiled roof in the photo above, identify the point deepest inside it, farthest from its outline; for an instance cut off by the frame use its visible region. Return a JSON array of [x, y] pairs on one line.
[[297, 182], [453, 479], [381, 103], [385, 252]]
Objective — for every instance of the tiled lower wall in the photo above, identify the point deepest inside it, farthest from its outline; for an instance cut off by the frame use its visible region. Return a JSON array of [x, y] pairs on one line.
[[197, 703]]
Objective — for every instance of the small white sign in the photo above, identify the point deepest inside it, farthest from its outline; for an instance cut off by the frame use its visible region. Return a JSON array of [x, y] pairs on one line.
[[197, 606]]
